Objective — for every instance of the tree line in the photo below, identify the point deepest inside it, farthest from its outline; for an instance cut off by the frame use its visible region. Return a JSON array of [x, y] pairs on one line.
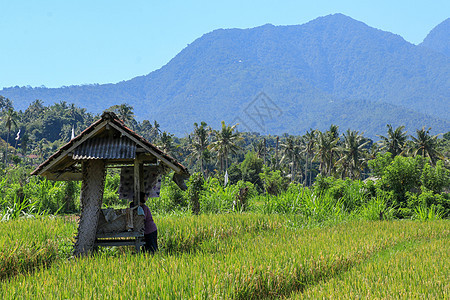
[[28, 137]]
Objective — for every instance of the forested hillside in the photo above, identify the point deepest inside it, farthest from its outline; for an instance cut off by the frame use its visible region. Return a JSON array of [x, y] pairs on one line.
[[332, 70]]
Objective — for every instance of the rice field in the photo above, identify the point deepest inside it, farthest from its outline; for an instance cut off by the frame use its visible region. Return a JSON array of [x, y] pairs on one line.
[[27, 244], [412, 270], [248, 256]]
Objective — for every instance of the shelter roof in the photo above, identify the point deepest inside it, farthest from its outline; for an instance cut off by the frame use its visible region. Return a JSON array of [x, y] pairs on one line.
[[108, 139]]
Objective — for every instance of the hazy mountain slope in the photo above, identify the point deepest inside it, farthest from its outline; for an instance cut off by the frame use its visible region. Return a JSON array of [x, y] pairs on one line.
[[331, 70], [439, 38]]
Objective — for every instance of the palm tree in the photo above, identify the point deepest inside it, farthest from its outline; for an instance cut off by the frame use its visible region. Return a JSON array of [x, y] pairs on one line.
[[125, 113], [395, 141], [155, 130], [61, 106], [326, 147], [309, 140], [9, 119], [39, 149], [24, 144], [425, 145], [334, 131], [352, 151], [225, 144], [167, 143], [5, 103], [259, 147], [74, 114], [35, 108], [199, 144], [291, 151], [373, 151], [146, 129]]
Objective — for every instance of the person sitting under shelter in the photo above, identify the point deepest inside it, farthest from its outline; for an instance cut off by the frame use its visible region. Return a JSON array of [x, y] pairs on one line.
[[150, 230]]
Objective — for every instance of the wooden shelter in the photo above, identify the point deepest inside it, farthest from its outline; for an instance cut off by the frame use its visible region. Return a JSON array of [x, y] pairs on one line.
[[109, 143]]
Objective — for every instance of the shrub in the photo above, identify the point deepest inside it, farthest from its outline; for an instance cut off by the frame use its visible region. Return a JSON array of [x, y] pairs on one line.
[[402, 175], [273, 182], [171, 197], [379, 164], [251, 167], [195, 188], [428, 199], [376, 209], [352, 193], [234, 173], [435, 179], [425, 213], [111, 192], [71, 193], [216, 198], [245, 192]]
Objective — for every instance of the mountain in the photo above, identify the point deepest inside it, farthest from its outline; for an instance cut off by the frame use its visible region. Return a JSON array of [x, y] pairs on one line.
[[277, 79], [439, 38]]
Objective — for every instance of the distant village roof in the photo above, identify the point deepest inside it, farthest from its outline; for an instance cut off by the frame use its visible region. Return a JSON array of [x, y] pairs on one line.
[[110, 140]]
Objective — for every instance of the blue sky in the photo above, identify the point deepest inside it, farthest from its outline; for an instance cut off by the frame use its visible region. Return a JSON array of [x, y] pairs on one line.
[[56, 43]]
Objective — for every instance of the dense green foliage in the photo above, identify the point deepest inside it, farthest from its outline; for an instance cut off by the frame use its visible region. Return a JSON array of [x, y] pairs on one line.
[[411, 183], [331, 70], [262, 170], [22, 195]]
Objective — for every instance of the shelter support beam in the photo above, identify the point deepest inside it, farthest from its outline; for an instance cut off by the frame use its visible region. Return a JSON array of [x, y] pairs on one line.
[[138, 180], [91, 201]]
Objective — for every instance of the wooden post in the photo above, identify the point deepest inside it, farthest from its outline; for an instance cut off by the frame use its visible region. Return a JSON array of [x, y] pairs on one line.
[[137, 184], [91, 201], [138, 180]]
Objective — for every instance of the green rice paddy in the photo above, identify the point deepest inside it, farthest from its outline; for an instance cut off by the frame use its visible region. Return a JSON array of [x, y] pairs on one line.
[[240, 256]]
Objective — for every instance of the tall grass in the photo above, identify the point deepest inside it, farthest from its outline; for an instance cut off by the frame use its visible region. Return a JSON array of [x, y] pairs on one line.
[[17, 208], [252, 264], [311, 206], [33, 194], [27, 244], [216, 198], [189, 233], [424, 213], [375, 209]]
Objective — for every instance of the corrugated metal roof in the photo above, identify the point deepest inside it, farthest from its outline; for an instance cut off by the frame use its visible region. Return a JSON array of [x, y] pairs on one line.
[[106, 148], [107, 118]]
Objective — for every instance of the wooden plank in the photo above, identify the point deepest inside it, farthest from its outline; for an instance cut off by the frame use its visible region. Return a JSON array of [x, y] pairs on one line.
[[137, 242], [111, 243], [126, 234], [64, 176]]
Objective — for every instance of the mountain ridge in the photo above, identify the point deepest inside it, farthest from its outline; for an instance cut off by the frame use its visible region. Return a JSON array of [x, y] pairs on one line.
[[439, 38], [301, 68]]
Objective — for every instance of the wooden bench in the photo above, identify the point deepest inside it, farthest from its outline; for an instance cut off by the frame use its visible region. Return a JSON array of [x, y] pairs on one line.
[[128, 238], [115, 232]]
